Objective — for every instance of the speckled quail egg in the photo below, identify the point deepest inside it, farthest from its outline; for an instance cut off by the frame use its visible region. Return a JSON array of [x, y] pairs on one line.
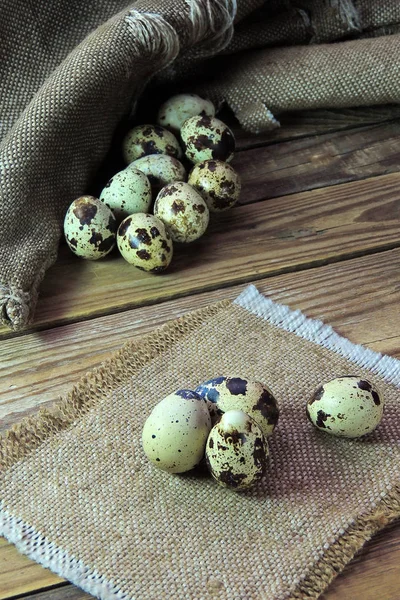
[[160, 169], [144, 242], [89, 228], [236, 451], [149, 139], [217, 182], [238, 393], [347, 406], [183, 211], [127, 192], [174, 112], [206, 138], [175, 433]]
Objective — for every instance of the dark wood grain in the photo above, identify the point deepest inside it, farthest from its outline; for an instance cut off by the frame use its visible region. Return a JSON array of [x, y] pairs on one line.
[[318, 161], [313, 122]]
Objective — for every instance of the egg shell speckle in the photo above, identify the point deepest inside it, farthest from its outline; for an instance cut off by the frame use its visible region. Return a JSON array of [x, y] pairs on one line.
[[217, 182], [206, 138], [177, 109], [236, 451], [175, 433], [145, 243], [161, 170], [347, 406], [183, 211], [89, 228], [144, 140], [238, 393], [128, 192]]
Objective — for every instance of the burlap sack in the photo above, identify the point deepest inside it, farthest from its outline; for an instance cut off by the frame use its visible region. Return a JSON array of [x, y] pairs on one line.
[[78, 495], [62, 95]]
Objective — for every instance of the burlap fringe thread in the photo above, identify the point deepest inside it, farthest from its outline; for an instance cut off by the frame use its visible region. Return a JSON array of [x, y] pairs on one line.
[[28, 435]]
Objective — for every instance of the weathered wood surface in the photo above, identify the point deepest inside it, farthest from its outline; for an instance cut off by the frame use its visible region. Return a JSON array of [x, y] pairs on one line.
[[318, 161], [313, 122], [248, 243]]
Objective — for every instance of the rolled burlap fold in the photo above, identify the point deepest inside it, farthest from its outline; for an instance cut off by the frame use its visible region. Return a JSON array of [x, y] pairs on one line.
[[78, 495]]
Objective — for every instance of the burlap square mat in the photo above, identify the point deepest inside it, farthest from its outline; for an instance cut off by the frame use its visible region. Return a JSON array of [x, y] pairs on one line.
[[78, 496]]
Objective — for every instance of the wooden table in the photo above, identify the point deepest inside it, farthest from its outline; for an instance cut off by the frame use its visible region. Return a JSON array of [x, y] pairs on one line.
[[317, 228]]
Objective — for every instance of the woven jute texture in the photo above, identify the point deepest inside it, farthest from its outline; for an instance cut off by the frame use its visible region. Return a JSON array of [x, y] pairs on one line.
[[71, 72], [78, 495]]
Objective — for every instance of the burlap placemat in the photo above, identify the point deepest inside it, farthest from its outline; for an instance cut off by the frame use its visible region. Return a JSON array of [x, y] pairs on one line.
[[78, 495]]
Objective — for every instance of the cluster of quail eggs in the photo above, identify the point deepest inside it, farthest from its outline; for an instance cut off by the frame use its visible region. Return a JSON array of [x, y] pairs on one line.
[[153, 203], [226, 422]]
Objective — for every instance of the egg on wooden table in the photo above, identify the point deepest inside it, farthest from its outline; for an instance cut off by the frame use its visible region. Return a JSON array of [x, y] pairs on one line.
[[236, 451], [206, 138], [90, 228], [217, 182], [175, 433], [177, 109], [144, 242], [143, 140], [252, 397], [347, 406], [160, 169], [183, 211], [127, 192]]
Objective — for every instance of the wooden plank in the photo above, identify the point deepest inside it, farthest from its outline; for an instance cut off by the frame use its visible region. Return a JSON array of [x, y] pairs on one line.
[[249, 242], [359, 297], [313, 122], [65, 592], [38, 367], [313, 162], [19, 575]]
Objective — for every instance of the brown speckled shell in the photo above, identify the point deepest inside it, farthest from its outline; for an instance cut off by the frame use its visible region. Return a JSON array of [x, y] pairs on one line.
[[177, 109], [236, 451], [206, 138], [89, 228], [346, 406], [144, 242], [150, 139], [161, 170], [217, 182], [183, 211], [127, 192]]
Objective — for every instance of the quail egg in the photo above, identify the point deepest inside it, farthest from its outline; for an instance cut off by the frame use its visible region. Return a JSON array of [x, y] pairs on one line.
[[237, 393], [144, 242], [160, 169], [206, 138], [149, 139], [89, 228], [217, 182], [236, 451], [183, 211], [127, 192], [177, 109], [175, 433], [347, 406]]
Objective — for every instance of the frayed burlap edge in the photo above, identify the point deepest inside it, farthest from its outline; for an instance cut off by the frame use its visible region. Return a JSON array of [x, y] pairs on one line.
[[31, 432], [24, 437]]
